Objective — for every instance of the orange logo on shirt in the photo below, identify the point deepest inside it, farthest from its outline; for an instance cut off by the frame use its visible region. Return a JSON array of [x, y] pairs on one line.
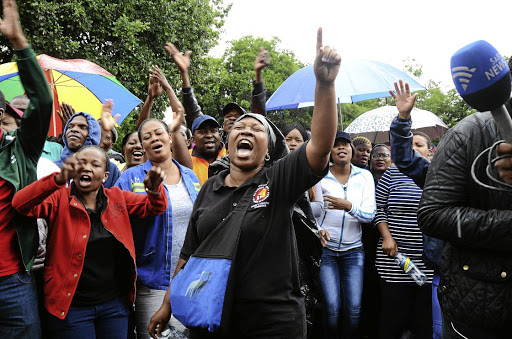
[[261, 194]]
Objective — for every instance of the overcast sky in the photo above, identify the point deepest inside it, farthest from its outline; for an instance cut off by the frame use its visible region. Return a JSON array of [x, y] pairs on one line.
[[430, 31]]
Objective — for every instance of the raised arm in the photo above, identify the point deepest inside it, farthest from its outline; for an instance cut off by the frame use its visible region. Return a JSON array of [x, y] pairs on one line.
[[325, 119], [259, 92], [154, 90], [36, 120], [179, 147], [192, 108], [408, 161]]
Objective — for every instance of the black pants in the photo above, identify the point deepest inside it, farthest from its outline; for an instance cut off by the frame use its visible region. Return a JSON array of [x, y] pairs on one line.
[[370, 303], [405, 307]]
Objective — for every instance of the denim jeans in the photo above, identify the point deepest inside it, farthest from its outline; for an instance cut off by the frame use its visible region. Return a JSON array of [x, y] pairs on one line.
[[19, 317], [341, 278], [107, 320], [437, 317]]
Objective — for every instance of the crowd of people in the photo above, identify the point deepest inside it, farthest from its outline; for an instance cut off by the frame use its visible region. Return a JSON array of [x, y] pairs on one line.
[[311, 220]]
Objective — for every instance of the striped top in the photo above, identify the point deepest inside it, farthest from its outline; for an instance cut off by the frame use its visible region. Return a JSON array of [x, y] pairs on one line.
[[397, 198]]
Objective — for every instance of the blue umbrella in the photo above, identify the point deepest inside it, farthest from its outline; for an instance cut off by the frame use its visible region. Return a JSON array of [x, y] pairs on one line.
[[357, 80]]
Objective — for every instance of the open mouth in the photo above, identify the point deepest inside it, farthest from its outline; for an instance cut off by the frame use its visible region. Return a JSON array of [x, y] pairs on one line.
[[85, 180], [244, 148], [341, 154], [157, 147], [137, 155], [209, 144]]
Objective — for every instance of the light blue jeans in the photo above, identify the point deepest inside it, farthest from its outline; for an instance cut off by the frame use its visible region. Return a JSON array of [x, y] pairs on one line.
[[341, 278]]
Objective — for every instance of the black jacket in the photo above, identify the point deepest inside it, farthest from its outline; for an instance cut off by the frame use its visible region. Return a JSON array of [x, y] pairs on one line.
[[476, 267]]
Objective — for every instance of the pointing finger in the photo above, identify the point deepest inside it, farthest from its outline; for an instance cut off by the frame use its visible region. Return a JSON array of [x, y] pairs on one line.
[[319, 43]]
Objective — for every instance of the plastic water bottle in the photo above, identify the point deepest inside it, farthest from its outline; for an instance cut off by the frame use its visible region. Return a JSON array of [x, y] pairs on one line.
[[410, 268]]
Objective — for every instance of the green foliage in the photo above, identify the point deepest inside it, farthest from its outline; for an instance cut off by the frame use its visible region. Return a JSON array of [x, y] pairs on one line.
[[351, 111], [448, 106], [229, 78], [125, 37]]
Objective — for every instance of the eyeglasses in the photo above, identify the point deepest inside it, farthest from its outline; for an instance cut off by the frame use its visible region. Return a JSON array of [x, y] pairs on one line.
[[381, 156]]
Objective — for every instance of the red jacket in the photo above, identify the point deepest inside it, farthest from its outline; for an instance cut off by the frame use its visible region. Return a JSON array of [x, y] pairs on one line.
[[69, 227]]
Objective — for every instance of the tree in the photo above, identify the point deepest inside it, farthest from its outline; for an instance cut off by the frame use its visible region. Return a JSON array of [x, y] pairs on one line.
[[125, 37], [229, 78], [448, 106]]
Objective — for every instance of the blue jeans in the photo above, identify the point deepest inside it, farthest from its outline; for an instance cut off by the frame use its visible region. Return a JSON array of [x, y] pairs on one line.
[[107, 320], [437, 317], [19, 317], [341, 278]]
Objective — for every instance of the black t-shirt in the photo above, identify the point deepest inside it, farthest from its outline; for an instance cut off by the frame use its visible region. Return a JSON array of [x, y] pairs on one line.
[[268, 302], [108, 268]]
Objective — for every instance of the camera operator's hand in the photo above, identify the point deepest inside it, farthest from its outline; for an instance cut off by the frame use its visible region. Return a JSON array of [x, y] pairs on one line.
[[504, 166]]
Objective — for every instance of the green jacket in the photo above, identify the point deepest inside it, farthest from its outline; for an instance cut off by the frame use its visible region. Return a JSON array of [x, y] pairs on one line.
[[20, 149]]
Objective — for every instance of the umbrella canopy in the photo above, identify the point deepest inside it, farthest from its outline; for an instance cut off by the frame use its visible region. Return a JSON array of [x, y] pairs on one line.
[[80, 83], [374, 124], [358, 80]]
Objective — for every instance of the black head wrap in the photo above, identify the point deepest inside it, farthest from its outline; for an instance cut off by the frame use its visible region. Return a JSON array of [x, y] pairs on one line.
[[276, 144]]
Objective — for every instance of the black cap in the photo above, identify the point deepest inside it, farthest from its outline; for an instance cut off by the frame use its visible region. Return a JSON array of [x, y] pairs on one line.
[[233, 106], [343, 135]]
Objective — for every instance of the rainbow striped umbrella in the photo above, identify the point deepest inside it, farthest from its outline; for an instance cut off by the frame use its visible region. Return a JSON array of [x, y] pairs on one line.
[[80, 83]]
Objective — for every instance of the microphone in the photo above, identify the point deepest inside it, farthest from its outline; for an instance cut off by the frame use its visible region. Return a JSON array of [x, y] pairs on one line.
[[482, 78]]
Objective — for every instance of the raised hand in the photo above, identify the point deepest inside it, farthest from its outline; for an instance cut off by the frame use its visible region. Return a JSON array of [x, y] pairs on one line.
[[157, 73], [181, 60], [108, 122], [403, 99], [10, 25], [67, 171], [154, 178], [262, 60], [178, 118], [327, 61], [65, 113], [154, 86]]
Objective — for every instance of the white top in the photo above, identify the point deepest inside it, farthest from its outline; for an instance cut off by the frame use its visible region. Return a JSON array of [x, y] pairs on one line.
[[345, 227]]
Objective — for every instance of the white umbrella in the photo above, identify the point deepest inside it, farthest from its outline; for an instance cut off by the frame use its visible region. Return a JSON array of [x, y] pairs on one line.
[[374, 124]]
